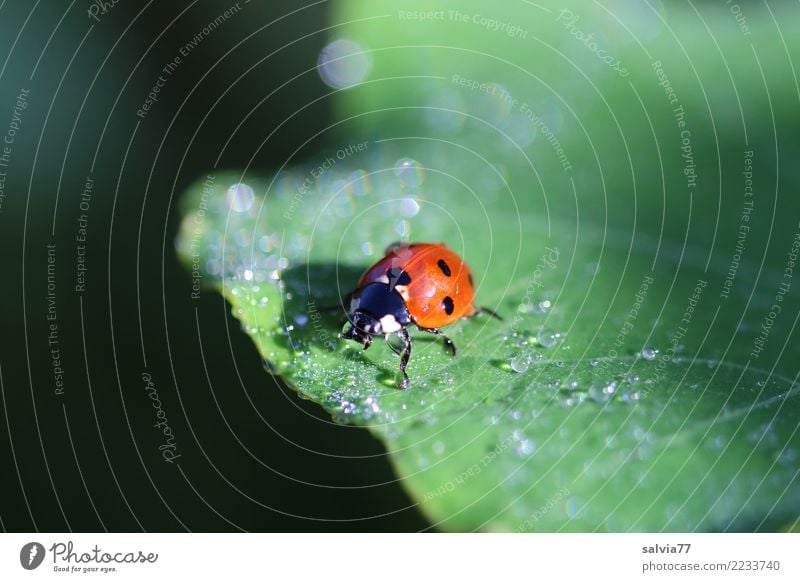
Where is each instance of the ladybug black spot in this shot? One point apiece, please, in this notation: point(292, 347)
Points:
point(447, 304)
point(471, 281)
point(444, 267)
point(397, 276)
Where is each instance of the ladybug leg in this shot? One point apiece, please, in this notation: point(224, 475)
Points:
point(447, 341)
point(405, 355)
point(486, 310)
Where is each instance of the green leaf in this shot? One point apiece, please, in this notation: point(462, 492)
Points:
point(642, 377)
point(606, 399)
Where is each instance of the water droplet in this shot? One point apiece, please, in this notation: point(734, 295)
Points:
point(348, 407)
point(524, 447)
point(403, 228)
point(367, 249)
point(343, 64)
point(600, 391)
point(410, 172)
point(301, 320)
point(547, 338)
point(409, 207)
point(438, 447)
point(359, 183)
point(649, 354)
point(264, 244)
point(240, 197)
point(571, 385)
point(520, 363)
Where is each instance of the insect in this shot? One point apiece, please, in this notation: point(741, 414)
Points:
point(424, 284)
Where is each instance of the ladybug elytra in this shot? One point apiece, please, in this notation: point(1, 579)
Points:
point(424, 284)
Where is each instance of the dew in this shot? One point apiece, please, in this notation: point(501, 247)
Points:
point(631, 397)
point(301, 320)
point(240, 197)
point(343, 64)
point(594, 363)
point(368, 249)
point(248, 275)
point(348, 406)
point(264, 244)
point(243, 237)
point(438, 447)
point(359, 183)
point(524, 447)
point(520, 363)
point(403, 228)
point(574, 399)
point(409, 207)
point(601, 391)
point(371, 402)
point(525, 308)
point(547, 338)
point(649, 354)
point(410, 172)
point(545, 305)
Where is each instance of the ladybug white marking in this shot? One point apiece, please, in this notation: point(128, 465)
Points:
point(389, 324)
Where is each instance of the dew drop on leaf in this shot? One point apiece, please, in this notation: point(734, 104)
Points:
point(547, 338)
point(649, 354)
point(520, 363)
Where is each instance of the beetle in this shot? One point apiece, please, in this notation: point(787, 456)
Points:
point(424, 284)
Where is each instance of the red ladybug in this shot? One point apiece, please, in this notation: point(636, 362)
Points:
point(422, 283)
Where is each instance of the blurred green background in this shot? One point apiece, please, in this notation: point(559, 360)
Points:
point(88, 459)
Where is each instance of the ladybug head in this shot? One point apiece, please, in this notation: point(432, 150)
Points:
point(375, 309)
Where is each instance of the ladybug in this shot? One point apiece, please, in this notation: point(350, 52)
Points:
point(424, 284)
